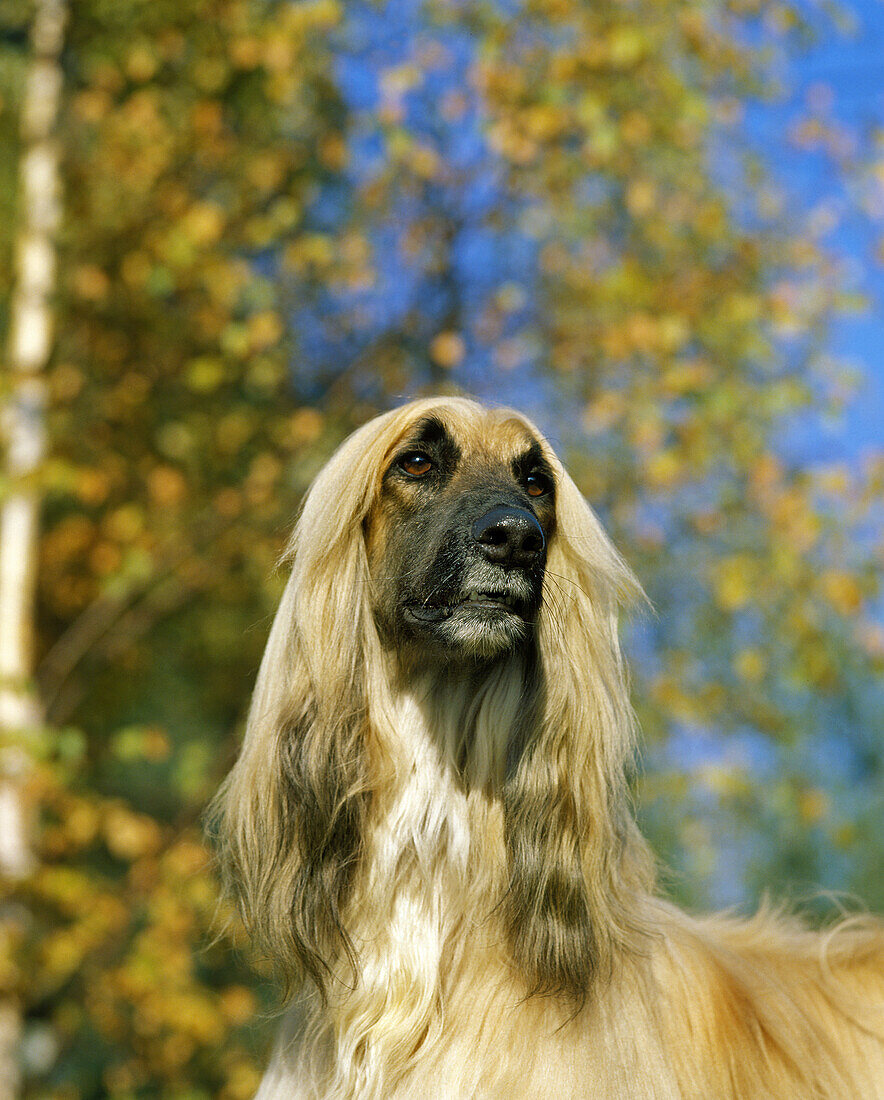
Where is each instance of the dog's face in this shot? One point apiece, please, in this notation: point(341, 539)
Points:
point(457, 540)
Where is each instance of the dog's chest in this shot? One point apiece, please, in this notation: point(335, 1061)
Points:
point(421, 861)
point(421, 917)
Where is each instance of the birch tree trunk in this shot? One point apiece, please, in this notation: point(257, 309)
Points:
point(24, 438)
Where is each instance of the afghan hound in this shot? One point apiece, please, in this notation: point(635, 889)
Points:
point(429, 828)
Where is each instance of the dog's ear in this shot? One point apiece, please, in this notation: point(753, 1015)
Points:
point(289, 820)
point(576, 859)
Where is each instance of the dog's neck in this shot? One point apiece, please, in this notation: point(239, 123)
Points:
point(434, 864)
point(439, 808)
point(471, 715)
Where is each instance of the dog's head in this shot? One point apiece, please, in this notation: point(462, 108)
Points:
point(457, 537)
point(448, 537)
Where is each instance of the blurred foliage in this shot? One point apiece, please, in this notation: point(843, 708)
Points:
point(195, 137)
point(128, 994)
point(683, 315)
point(280, 217)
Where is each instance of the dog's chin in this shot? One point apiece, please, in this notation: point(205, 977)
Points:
point(473, 629)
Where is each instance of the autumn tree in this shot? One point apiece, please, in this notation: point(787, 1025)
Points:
point(282, 217)
point(24, 442)
point(682, 313)
point(195, 139)
point(638, 281)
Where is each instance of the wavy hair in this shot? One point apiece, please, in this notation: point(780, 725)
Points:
point(432, 849)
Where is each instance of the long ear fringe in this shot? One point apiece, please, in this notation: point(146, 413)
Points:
point(289, 820)
point(577, 861)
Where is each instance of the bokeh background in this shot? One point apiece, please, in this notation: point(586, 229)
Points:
point(654, 225)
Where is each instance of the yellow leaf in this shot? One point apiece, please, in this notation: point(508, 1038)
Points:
point(265, 329)
point(732, 582)
point(204, 374)
point(130, 835)
point(204, 223)
point(750, 664)
point(237, 1004)
point(641, 197)
point(424, 161)
point(141, 64)
point(306, 426)
point(166, 485)
point(813, 805)
point(626, 45)
point(448, 349)
point(604, 412)
point(91, 283)
point(664, 468)
point(842, 591)
point(333, 152)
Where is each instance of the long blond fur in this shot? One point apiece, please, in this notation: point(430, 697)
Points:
point(445, 869)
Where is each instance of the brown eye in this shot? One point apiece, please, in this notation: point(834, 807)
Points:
point(537, 485)
point(416, 465)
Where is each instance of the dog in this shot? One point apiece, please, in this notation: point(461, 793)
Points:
point(429, 831)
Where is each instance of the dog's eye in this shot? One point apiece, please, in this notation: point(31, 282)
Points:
point(537, 484)
point(416, 464)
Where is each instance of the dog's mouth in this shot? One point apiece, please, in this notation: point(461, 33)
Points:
point(474, 600)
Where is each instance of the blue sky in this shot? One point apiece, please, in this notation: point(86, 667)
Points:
point(851, 67)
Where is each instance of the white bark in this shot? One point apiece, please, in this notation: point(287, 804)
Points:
point(24, 437)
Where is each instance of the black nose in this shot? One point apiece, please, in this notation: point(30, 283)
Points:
point(509, 536)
